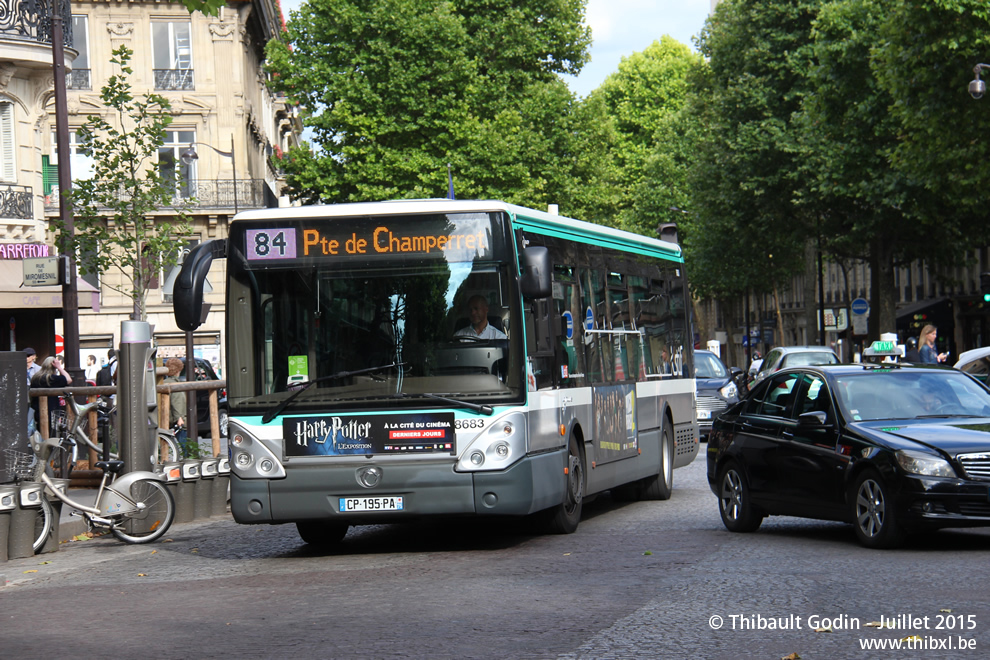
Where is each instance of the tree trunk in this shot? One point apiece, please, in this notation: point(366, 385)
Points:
point(883, 303)
point(811, 276)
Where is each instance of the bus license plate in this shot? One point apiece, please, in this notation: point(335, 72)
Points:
point(348, 504)
point(704, 414)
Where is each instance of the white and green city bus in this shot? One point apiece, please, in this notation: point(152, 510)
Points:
point(367, 383)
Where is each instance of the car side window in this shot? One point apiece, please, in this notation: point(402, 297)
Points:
point(813, 396)
point(768, 363)
point(778, 400)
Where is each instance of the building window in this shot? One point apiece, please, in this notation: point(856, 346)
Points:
point(81, 165)
point(170, 163)
point(79, 77)
point(8, 169)
point(172, 48)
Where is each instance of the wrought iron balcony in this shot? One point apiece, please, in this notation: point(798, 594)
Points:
point(173, 79)
point(77, 78)
point(16, 202)
point(204, 194)
point(222, 194)
point(31, 20)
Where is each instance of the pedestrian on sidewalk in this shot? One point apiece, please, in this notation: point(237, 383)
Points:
point(177, 401)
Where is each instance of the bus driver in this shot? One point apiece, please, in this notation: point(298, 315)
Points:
point(479, 328)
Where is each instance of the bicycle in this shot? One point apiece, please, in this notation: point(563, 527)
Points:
point(135, 507)
point(72, 438)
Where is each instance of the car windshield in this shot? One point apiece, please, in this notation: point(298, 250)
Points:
point(805, 358)
point(906, 394)
point(706, 365)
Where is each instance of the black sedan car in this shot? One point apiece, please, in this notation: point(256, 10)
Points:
point(890, 448)
point(716, 389)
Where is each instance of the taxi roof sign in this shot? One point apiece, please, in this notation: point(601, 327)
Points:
point(883, 349)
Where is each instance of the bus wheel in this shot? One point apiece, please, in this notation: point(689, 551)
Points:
point(567, 514)
point(661, 485)
point(322, 534)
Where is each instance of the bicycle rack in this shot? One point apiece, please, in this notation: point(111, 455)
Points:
point(22, 520)
point(51, 543)
point(221, 486)
point(8, 502)
point(185, 501)
point(204, 487)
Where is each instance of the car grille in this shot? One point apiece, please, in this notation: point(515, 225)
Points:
point(976, 509)
point(712, 403)
point(977, 466)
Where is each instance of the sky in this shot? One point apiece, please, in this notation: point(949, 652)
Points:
point(620, 28)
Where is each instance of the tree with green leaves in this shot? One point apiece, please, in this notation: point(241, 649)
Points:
point(643, 99)
point(887, 210)
point(397, 89)
point(114, 210)
point(208, 7)
point(925, 65)
point(744, 232)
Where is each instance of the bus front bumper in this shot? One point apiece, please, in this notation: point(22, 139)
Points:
point(314, 492)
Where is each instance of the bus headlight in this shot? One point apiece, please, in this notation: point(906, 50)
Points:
point(251, 459)
point(497, 447)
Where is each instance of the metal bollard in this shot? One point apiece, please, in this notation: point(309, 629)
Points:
point(22, 521)
point(204, 487)
point(185, 502)
point(8, 502)
point(51, 543)
point(221, 488)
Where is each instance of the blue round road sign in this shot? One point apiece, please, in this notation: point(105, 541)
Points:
point(859, 306)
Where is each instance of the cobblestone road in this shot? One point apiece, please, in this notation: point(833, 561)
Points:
point(639, 580)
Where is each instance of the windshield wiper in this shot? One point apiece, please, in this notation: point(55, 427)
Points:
point(476, 407)
point(271, 414)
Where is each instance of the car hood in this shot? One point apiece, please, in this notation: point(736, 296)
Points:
point(953, 436)
point(711, 383)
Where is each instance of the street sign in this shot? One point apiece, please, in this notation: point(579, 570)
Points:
point(59, 344)
point(40, 271)
point(859, 306)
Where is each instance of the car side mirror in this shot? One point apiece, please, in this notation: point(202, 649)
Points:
point(815, 418)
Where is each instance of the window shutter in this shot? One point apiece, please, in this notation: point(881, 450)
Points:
point(8, 171)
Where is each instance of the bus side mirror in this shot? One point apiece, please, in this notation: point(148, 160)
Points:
point(187, 295)
point(536, 271)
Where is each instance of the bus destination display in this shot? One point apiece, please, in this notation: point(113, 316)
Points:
point(464, 242)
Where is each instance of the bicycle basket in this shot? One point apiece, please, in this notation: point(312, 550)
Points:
point(20, 465)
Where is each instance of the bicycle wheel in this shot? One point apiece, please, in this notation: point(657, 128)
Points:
point(43, 523)
point(152, 519)
point(169, 451)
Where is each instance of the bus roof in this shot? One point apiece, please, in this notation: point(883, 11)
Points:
point(538, 222)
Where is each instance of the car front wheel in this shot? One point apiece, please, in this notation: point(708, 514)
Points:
point(874, 517)
point(734, 501)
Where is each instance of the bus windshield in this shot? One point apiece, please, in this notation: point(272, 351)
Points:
point(391, 323)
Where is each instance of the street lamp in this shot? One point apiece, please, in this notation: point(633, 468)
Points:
point(977, 88)
point(189, 156)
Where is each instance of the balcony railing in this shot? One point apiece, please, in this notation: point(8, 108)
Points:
point(203, 194)
point(77, 78)
point(16, 202)
point(173, 79)
point(31, 20)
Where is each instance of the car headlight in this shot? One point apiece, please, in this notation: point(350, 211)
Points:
point(729, 391)
point(915, 462)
